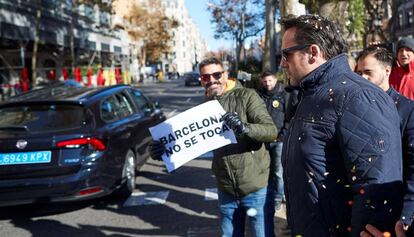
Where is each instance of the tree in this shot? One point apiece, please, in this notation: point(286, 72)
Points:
point(269, 60)
point(237, 20)
point(350, 15)
point(153, 28)
point(36, 41)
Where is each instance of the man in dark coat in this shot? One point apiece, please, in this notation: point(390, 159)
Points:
point(342, 154)
point(374, 64)
point(276, 100)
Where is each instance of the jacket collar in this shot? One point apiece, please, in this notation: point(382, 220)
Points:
point(324, 72)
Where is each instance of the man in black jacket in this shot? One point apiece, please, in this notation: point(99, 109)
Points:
point(341, 156)
point(374, 64)
point(276, 99)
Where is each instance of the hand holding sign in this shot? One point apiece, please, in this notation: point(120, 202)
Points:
point(156, 150)
point(192, 133)
point(235, 123)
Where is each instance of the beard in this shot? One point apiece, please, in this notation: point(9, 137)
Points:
point(213, 92)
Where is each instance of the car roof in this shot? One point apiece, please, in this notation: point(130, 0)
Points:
point(64, 95)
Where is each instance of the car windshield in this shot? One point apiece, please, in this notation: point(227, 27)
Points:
point(41, 118)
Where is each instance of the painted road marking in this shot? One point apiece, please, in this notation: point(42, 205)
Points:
point(149, 198)
point(210, 194)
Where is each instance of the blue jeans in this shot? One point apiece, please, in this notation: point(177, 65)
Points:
point(233, 213)
point(276, 171)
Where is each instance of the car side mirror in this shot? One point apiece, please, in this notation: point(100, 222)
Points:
point(157, 105)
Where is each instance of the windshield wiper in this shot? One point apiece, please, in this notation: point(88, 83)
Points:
point(14, 127)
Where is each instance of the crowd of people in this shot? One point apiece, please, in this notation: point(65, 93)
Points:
point(344, 137)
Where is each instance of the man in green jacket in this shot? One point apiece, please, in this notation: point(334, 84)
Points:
point(241, 169)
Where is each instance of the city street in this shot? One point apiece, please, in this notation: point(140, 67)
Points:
point(183, 203)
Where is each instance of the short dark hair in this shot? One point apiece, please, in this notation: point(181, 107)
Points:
point(266, 74)
point(312, 29)
point(209, 61)
point(381, 54)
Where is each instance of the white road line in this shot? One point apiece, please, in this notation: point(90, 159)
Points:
point(188, 100)
point(149, 198)
point(210, 194)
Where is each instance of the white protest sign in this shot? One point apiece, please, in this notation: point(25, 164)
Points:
point(192, 133)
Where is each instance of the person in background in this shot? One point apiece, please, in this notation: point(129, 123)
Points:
point(375, 65)
point(402, 74)
point(276, 99)
point(342, 152)
point(242, 169)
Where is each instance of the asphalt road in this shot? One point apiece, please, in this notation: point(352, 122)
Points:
point(181, 203)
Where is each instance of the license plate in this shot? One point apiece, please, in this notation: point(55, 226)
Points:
point(20, 158)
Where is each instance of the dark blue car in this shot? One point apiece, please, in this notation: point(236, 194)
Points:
point(73, 143)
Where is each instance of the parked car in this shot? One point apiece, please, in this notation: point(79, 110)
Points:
point(73, 143)
point(192, 79)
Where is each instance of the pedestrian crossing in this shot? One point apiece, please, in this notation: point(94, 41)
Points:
point(148, 198)
point(158, 198)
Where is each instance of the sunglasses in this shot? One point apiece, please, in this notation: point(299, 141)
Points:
point(287, 51)
point(206, 77)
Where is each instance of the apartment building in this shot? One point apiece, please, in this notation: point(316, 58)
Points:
point(57, 24)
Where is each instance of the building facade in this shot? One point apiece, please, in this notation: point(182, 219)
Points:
point(188, 47)
point(404, 22)
point(58, 25)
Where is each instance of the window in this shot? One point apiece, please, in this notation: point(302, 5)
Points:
point(116, 107)
point(400, 20)
point(43, 118)
point(125, 107)
point(105, 47)
point(108, 109)
point(140, 100)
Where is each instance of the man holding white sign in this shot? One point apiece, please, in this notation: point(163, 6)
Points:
point(192, 133)
point(241, 169)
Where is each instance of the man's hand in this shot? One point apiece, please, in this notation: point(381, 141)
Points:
point(156, 150)
point(234, 122)
point(371, 231)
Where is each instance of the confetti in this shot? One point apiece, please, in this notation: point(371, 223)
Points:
point(339, 180)
point(354, 178)
point(326, 173)
point(385, 202)
point(350, 202)
point(310, 180)
point(251, 212)
point(323, 186)
point(361, 191)
point(343, 83)
point(353, 169)
point(310, 173)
